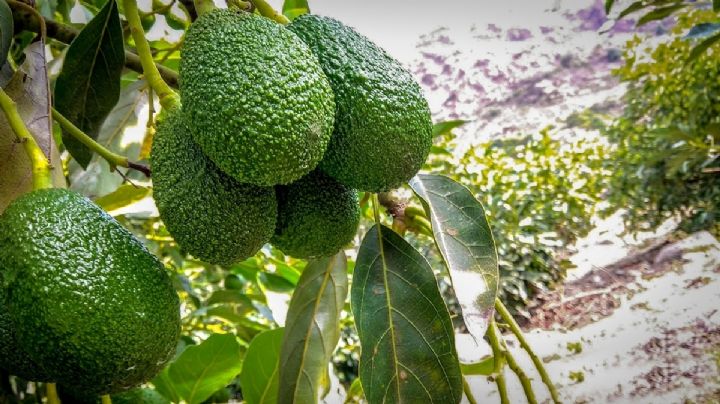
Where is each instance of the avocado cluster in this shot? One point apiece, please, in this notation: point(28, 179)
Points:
point(279, 129)
point(83, 302)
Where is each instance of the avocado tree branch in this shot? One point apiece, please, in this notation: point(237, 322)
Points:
point(515, 367)
point(105, 399)
point(115, 160)
point(24, 19)
point(40, 166)
point(515, 328)
point(499, 358)
point(468, 392)
point(168, 98)
point(266, 10)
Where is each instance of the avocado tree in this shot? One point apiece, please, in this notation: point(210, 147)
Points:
point(274, 141)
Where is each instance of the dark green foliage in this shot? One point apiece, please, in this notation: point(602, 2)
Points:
point(88, 87)
point(317, 216)
point(258, 103)
point(211, 215)
point(667, 138)
point(382, 124)
point(88, 301)
point(14, 359)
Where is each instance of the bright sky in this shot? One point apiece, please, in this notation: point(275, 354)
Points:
point(397, 25)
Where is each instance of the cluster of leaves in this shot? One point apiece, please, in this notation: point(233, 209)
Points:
point(667, 140)
point(708, 32)
point(540, 191)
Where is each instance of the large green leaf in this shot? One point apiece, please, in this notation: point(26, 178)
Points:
point(88, 87)
point(203, 369)
point(659, 14)
point(123, 196)
point(312, 328)
point(408, 345)
point(6, 30)
point(295, 8)
point(464, 238)
point(28, 87)
point(703, 46)
point(443, 128)
point(259, 378)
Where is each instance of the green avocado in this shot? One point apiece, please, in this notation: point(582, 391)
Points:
point(89, 303)
point(210, 214)
point(13, 359)
point(257, 100)
point(317, 216)
point(383, 129)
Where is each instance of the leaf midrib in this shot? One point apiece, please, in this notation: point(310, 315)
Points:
point(391, 324)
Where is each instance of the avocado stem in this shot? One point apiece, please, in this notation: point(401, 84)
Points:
point(51, 393)
point(376, 208)
point(105, 399)
point(39, 162)
point(266, 10)
point(115, 160)
point(168, 98)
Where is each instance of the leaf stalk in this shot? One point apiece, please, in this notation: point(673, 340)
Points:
point(266, 10)
point(115, 160)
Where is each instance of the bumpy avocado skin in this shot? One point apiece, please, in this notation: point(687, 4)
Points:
point(257, 100)
point(210, 214)
point(89, 303)
point(13, 359)
point(317, 216)
point(383, 129)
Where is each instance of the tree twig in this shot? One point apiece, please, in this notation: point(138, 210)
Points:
point(499, 358)
point(524, 380)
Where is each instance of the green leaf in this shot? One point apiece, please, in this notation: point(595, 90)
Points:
point(28, 87)
point(164, 386)
point(275, 283)
point(259, 378)
point(703, 30)
point(659, 14)
point(408, 345)
point(203, 369)
point(485, 367)
point(464, 238)
point(608, 6)
point(88, 87)
point(312, 328)
point(355, 392)
point(6, 30)
point(125, 195)
point(716, 5)
point(295, 8)
point(703, 46)
point(636, 6)
point(229, 296)
point(442, 128)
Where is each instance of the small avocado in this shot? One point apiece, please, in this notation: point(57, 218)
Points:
point(256, 98)
point(88, 301)
point(383, 129)
point(317, 216)
point(210, 214)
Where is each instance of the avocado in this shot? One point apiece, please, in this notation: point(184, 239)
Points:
point(13, 359)
point(257, 100)
point(383, 129)
point(89, 303)
point(210, 214)
point(317, 216)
